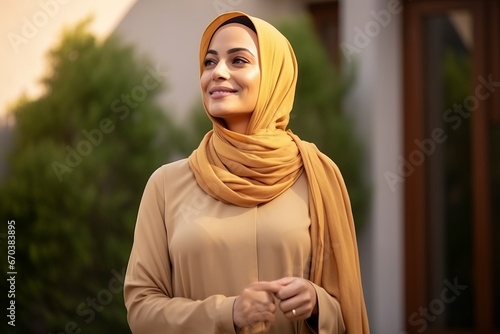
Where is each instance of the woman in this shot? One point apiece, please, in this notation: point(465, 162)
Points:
point(253, 232)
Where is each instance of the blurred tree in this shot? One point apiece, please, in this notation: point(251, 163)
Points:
point(317, 115)
point(81, 156)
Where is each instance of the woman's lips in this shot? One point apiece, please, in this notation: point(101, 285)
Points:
point(220, 92)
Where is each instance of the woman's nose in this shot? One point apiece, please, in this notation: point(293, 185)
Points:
point(220, 71)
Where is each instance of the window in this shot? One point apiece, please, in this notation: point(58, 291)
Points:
point(452, 166)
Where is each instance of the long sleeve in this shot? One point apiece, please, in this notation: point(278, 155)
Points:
point(148, 290)
point(330, 320)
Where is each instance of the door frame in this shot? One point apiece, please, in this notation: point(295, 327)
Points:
point(414, 127)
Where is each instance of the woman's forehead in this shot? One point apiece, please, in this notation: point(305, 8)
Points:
point(234, 34)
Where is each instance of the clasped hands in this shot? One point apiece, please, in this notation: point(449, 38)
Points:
point(254, 309)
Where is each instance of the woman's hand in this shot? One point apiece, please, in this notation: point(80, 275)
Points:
point(296, 294)
point(255, 306)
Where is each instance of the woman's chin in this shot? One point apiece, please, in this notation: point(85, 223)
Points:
point(220, 111)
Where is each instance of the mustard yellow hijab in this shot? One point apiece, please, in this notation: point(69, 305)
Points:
point(256, 167)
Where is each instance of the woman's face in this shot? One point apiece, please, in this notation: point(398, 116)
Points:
point(230, 80)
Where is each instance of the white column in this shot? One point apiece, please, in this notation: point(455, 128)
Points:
point(371, 35)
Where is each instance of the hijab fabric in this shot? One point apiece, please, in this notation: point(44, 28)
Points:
point(254, 168)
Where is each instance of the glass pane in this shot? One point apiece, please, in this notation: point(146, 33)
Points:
point(495, 218)
point(446, 147)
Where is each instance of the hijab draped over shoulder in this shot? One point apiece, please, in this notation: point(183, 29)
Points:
point(254, 168)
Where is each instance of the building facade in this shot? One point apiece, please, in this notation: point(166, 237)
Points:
point(427, 106)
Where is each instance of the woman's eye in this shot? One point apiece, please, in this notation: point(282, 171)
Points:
point(208, 62)
point(239, 60)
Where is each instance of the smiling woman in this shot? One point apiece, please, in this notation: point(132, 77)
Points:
point(231, 78)
point(254, 231)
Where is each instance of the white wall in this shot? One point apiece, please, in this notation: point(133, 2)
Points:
point(372, 31)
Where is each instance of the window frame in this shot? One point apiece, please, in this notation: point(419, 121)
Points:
point(414, 127)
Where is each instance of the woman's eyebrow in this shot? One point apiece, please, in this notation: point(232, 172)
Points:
point(233, 50)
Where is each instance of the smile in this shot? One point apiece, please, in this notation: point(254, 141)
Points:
point(219, 92)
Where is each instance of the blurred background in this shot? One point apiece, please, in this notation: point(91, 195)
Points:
point(402, 95)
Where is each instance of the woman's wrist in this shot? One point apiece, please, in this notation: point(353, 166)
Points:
point(315, 310)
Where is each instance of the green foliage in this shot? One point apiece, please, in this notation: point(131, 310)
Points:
point(81, 156)
point(317, 116)
point(456, 184)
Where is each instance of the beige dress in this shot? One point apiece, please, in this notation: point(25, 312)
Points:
point(192, 255)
